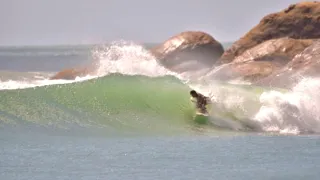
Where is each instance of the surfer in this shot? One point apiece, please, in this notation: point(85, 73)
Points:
point(200, 100)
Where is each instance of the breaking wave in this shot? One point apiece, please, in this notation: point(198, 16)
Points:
point(133, 93)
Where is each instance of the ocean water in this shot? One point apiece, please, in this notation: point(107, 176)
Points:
point(134, 120)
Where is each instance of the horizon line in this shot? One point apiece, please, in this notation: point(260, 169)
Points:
point(74, 44)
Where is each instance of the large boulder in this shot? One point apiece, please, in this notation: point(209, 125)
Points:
point(262, 60)
point(298, 21)
point(188, 51)
point(305, 64)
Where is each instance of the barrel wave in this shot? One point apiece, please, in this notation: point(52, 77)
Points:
point(115, 102)
point(120, 103)
point(133, 94)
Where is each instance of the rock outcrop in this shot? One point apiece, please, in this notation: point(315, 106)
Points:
point(262, 60)
point(265, 51)
point(305, 64)
point(191, 50)
point(298, 21)
point(280, 50)
point(73, 73)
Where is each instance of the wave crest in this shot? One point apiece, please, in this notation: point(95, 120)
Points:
point(127, 58)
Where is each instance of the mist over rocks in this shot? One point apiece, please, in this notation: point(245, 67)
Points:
point(280, 50)
point(304, 64)
point(262, 60)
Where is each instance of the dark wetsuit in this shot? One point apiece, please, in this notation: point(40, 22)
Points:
point(201, 102)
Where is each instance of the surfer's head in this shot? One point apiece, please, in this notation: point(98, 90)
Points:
point(193, 93)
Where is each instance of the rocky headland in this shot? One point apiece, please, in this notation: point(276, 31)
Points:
point(280, 48)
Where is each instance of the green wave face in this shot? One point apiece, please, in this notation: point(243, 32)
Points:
point(115, 102)
point(126, 104)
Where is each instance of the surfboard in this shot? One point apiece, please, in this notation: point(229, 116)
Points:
point(201, 118)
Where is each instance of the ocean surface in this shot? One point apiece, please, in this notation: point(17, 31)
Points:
point(134, 120)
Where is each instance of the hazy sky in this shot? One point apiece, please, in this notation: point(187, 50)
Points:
point(37, 22)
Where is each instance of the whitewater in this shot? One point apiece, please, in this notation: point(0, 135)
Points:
point(132, 92)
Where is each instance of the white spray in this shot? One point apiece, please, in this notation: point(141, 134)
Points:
point(118, 57)
point(297, 111)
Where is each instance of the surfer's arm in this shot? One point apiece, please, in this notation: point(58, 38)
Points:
point(208, 100)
